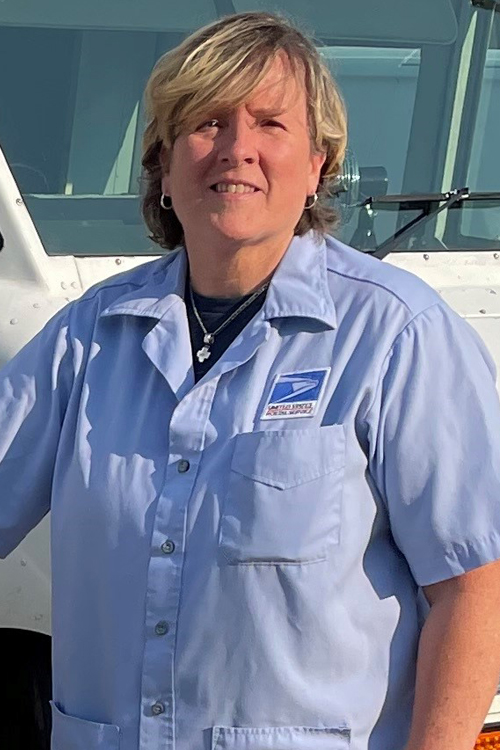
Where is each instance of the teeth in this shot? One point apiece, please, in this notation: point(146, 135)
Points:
point(224, 187)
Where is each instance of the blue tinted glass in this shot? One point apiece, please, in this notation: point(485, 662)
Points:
point(484, 167)
point(72, 114)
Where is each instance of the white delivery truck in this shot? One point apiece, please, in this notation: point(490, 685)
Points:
point(421, 190)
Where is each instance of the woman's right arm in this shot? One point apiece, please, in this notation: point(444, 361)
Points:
point(34, 392)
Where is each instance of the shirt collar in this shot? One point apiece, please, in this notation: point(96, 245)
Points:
point(298, 288)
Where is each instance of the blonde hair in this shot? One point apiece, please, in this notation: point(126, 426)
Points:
point(217, 68)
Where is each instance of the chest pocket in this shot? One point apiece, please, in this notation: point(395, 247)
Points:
point(284, 496)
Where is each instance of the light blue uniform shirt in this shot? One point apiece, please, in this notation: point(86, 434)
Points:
point(236, 563)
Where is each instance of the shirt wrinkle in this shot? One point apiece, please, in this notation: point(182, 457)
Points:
point(385, 362)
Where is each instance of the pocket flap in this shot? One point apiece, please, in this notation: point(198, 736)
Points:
point(280, 738)
point(72, 733)
point(287, 458)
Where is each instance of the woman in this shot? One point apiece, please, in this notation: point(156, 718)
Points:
point(250, 449)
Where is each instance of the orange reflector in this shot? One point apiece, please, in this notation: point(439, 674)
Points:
point(488, 741)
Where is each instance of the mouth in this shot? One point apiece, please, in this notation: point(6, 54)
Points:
point(236, 188)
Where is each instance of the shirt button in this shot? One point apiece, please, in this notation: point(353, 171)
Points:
point(157, 709)
point(183, 466)
point(167, 547)
point(161, 628)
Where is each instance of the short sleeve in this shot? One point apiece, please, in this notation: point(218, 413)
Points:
point(34, 391)
point(435, 449)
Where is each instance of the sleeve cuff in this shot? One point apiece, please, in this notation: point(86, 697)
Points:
point(456, 559)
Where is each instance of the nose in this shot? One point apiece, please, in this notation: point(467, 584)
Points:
point(237, 142)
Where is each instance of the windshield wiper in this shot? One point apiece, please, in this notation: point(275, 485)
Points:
point(430, 204)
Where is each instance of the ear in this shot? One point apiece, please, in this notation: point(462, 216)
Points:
point(316, 163)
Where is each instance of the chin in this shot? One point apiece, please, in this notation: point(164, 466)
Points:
point(236, 231)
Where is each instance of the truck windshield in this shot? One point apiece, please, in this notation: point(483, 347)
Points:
point(421, 82)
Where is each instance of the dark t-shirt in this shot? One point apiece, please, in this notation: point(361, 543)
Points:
point(214, 311)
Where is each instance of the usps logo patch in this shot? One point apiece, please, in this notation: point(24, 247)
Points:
point(296, 394)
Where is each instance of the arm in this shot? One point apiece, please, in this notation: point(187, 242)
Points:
point(34, 390)
point(436, 463)
point(458, 661)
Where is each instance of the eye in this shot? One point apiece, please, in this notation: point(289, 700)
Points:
point(208, 124)
point(273, 124)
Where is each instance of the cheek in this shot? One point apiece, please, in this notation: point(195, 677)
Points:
point(289, 170)
point(187, 166)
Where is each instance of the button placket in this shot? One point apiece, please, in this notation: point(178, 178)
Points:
point(187, 435)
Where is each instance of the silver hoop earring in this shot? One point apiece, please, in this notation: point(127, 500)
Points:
point(315, 200)
point(162, 202)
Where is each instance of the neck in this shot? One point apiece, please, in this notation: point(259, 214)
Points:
point(233, 271)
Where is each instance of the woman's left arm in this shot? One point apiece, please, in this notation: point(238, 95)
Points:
point(458, 664)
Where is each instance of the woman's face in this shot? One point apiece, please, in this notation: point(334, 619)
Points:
point(263, 145)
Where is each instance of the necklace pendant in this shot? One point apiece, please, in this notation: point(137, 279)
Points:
point(203, 353)
point(208, 338)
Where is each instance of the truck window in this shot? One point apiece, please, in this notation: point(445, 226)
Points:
point(484, 166)
point(73, 113)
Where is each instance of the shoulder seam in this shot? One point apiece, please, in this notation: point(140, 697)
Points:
point(103, 286)
point(381, 375)
point(377, 284)
point(100, 288)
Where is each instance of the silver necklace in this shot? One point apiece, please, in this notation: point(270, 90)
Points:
point(209, 338)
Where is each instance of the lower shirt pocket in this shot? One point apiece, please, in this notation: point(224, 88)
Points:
point(72, 733)
point(280, 738)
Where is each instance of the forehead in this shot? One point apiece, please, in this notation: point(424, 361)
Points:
point(281, 89)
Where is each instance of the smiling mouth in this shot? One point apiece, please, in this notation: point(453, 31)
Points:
point(240, 189)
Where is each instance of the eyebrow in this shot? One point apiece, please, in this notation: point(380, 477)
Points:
point(268, 112)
